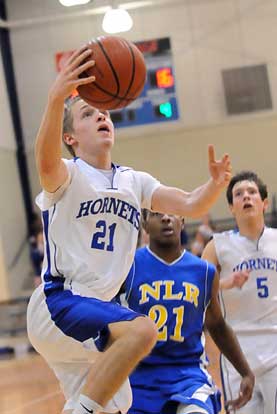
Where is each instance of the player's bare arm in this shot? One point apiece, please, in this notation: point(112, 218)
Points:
point(198, 202)
point(236, 279)
point(225, 339)
point(48, 149)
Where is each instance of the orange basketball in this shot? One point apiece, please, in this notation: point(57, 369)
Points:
point(119, 70)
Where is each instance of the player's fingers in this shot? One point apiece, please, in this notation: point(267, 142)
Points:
point(243, 273)
point(233, 404)
point(76, 53)
point(241, 283)
point(243, 400)
point(78, 60)
point(227, 177)
point(211, 153)
point(83, 68)
point(83, 81)
point(226, 160)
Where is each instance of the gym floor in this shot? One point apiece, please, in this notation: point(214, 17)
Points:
point(28, 386)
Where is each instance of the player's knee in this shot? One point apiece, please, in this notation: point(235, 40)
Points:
point(145, 332)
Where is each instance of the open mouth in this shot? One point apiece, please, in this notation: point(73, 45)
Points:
point(167, 231)
point(247, 206)
point(103, 128)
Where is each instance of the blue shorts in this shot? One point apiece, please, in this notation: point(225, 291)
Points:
point(161, 389)
point(82, 317)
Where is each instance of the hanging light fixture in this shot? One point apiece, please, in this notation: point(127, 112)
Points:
point(69, 3)
point(117, 20)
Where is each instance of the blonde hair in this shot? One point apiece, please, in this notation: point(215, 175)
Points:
point(68, 120)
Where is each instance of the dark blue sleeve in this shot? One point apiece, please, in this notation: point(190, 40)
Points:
point(129, 281)
point(209, 281)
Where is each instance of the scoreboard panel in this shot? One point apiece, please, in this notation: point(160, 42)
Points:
point(158, 101)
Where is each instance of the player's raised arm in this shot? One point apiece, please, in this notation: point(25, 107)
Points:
point(226, 341)
point(199, 201)
point(209, 254)
point(48, 149)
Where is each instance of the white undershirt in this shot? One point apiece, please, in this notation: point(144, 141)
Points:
point(107, 173)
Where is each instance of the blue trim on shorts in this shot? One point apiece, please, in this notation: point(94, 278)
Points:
point(79, 317)
point(212, 404)
point(160, 389)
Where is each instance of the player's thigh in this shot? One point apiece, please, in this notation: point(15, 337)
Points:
point(268, 387)
point(139, 327)
point(67, 321)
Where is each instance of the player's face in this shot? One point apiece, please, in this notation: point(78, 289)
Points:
point(93, 129)
point(247, 200)
point(163, 228)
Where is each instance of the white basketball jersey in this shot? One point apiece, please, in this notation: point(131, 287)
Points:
point(252, 310)
point(91, 226)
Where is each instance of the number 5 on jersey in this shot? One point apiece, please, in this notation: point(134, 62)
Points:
point(262, 287)
point(103, 239)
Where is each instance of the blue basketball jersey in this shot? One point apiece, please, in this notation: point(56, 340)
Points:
point(175, 296)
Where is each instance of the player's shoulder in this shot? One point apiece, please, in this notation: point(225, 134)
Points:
point(191, 259)
point(70, 163)
point(141, 253)
point(270, 231)
point(73, 164)
point(140, 175)
point(227, 234)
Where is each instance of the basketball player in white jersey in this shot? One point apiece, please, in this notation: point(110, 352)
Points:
point(247, 261)
point(91, 214)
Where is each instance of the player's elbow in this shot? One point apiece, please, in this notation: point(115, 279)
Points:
point(47, 166)
point(216, 328)
point(194, 209)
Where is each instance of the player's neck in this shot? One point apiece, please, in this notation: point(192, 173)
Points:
point(252, 229)
point(167, 253)
point(101, 161)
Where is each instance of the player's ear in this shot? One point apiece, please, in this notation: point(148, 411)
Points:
point(266, 204)
point(69, 139)
point(231, 208)
point(144, 221)
point(145, 225)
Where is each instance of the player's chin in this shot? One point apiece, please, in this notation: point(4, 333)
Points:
point(249, 211)
point(107, 141)
point(167, 239)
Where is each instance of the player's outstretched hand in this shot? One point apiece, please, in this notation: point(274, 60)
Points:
point(220, 170)
point(236, 279)
point(68, 78)
point(245, 393)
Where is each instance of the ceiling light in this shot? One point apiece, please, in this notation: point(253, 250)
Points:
point(69, 3)
point(116, 21)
